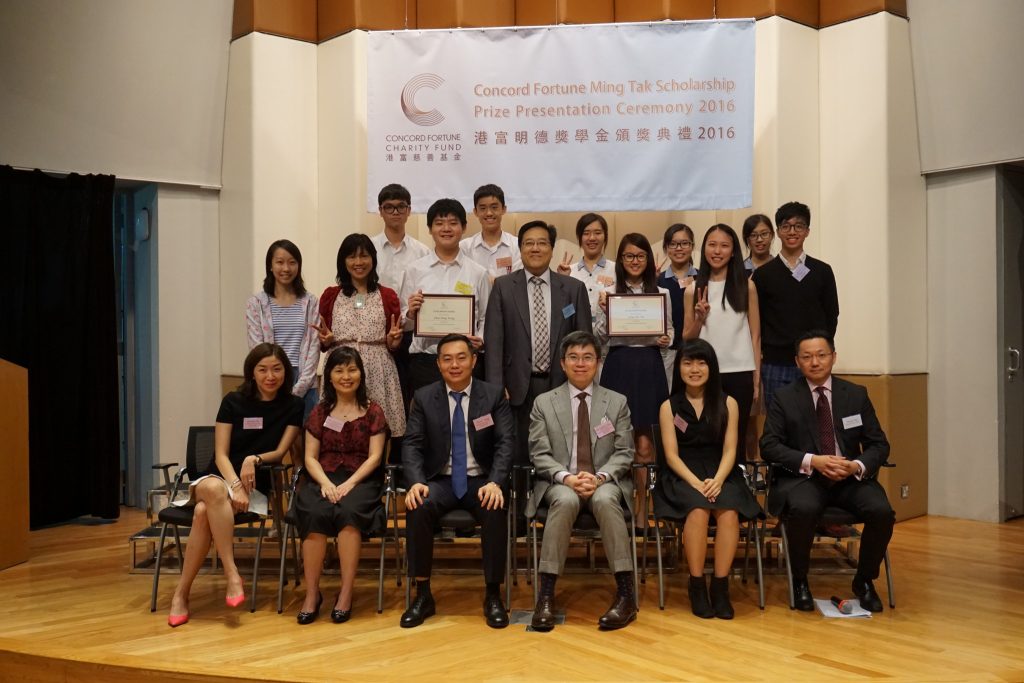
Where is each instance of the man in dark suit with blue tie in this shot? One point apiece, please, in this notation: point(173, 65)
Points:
point(824, 434)
point(457, 453)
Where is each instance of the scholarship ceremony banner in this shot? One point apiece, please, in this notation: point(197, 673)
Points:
point(607, 117)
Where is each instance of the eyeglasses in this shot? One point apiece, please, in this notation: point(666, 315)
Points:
point(680, 245)
point(808, 357)
point(638, 258)
point(799, 226)
point(530, 244)
point(394, 209)
point(760, 236)
point(587, 358)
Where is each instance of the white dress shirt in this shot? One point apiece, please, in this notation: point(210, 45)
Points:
point(574, 405)
point(434, 276)
point(473, 468)
point(487, 256)
point(392, 262)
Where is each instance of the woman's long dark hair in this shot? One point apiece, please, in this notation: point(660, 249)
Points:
point(349, 246)
point(735, 274)
point(343, 355)
point(268, 282)
point(650, 276)
point(714, 398)
point(248, 386)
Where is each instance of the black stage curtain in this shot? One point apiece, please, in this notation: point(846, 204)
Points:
point(61, 325)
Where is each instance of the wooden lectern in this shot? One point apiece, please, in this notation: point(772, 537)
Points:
point(13, 464)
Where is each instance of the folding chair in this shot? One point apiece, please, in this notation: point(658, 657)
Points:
point(199, 454)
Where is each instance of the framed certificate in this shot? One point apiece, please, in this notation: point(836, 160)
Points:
point(636, 315)
point(443, 314)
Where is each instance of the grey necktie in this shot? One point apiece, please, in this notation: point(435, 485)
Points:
point(541, 340)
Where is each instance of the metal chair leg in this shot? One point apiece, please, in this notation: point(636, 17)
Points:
point(536, 562)
point(888, 580)
point(156, 569)
point(380, 570)
point(256, 563)
point(661, 575)
point(636, 580)
point(177, 545)
point(280, 573)
point(509, 551)
point(789, 567)
point(760, 568)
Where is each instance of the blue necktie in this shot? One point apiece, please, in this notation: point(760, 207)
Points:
point(460, 484)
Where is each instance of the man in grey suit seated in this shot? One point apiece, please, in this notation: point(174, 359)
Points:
point(581, 445)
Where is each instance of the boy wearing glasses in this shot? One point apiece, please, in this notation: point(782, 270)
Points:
point(492, 247)
point(796, 293)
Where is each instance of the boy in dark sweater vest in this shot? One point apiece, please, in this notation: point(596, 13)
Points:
point(796, 293)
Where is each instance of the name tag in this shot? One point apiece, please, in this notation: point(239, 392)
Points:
point(800, 272)
point(852, 421)
point(568, 311)
point(680, 424)
point(252, 423)
point(334, 424)
point(463, 288)
point(604, 427)
point(483, 422)
point(605, 280)
point(504, 263)
point(684, 282)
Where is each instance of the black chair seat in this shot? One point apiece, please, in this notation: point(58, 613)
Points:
point(457, 519)
point(182, 516)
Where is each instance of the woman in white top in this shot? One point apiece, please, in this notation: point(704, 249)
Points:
point(634, 366)
point(721, 308)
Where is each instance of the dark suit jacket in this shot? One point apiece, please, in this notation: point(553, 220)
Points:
point(791, 431)
point(427, 447)
point(507, 339)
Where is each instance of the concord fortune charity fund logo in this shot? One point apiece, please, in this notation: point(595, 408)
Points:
point(409, 108)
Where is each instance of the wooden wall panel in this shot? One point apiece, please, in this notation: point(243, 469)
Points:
point(837, 11)
point(801, 11)
point(14, 464)
point(549, 12)
point(657, 10)
point(465, 13)
point(335, 17)
point(292, 19)
point(242, 19)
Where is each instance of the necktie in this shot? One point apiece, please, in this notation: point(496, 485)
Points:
point(826, 430)
point(584, 458)
point(460, 484)
point(541, 341)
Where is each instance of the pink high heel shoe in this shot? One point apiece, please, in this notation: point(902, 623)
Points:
point(234, 601)
point(176, 620)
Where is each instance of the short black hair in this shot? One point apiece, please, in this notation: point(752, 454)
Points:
point(751, 223)
point(814, 334)
point(585, 220)
point(393, 191)
point(579, 338)
point(349, 246)
point(552, 231)
point(489, 190)
point(446, 207)
point(671, 231)
point(451, 339)
point(793, 210)
point(256, 354)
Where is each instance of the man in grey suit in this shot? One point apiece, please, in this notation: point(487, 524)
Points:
point(581, 444)
point(528, 313)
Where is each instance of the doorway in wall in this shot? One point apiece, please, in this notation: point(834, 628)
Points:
point(1010, 226)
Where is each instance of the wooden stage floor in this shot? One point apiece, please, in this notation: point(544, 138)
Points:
point(74, 613)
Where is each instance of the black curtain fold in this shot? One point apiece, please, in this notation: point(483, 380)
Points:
point(61, 324)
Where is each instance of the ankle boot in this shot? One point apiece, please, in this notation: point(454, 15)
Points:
point(720, 597)
point(698, 591)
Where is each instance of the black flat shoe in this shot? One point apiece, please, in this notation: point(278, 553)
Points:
point(802, 598)
point(494, 612)
point(340, 616)
point(309, 617)
point(544, 614)
point(865, 592)
point(421, 608)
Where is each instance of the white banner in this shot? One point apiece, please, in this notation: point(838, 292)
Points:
point(608, 117)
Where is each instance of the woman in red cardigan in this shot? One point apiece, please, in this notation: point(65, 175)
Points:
point(366, 316)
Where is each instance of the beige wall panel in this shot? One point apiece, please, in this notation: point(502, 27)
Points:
point(189, 332)
point(270, 173)
point(872, 221)
point(656, 10)
point(465, 13)
point(963, 370)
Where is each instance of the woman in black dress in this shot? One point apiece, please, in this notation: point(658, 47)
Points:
point(700, 477)
point(340, 494)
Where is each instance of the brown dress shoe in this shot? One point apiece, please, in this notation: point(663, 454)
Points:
point(544, 614)
point(622, 611)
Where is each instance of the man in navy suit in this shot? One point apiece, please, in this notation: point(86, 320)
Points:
point(457, 454)
point(824, 434)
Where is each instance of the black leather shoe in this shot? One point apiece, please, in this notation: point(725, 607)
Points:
point(697, 590)
point(802, 598)
point(340, 616)
point(421, 608)
point(309, 617)
point(544, 614)
point(720, 597)
point(622, 611)
point(865, 592)
point(494, 612)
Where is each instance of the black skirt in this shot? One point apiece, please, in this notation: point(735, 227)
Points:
point(638, 373)
point(674, 498)
point(361, 508)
